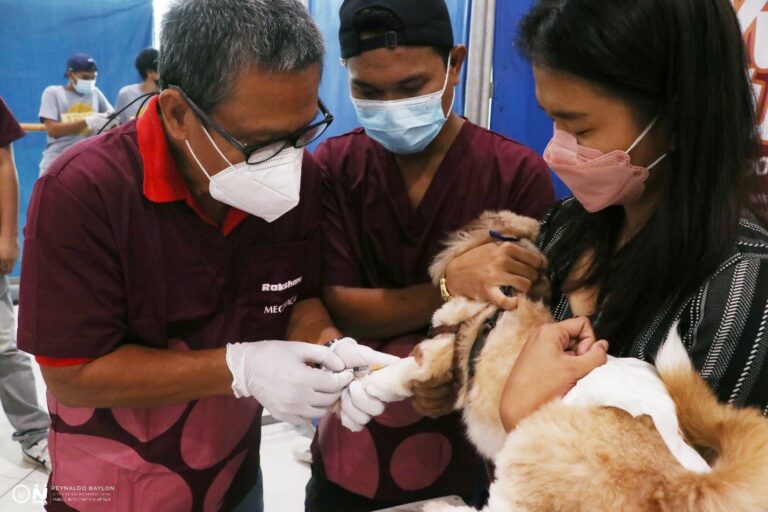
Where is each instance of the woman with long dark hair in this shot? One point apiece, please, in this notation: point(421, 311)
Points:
point(655, 134)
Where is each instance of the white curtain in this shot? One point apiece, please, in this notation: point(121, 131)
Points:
point(479, 89)
point(159, 8)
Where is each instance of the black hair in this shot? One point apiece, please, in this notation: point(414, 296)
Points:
point(377, 20)
point(683, 61)
point(146, 61)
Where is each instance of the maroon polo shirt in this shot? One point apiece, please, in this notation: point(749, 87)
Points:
point(117, 251)
point(374, 238)
point(9, 127)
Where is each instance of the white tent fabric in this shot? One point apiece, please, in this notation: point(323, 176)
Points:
point(479, 89)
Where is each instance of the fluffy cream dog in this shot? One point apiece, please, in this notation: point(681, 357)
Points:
point(613, 443)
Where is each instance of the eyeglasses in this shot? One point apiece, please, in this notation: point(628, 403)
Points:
point(259, 153)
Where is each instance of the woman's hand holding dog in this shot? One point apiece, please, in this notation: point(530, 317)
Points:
point(553, 359)
point(480, 273)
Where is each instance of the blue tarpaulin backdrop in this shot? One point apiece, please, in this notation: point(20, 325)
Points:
point(515, 112)
point(37, 37)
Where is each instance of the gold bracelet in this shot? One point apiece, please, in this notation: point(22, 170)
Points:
point(444, 293)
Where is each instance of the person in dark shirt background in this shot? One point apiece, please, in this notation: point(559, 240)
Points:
point(17, 389)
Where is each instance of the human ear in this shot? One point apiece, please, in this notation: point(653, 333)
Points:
point(458, 58)
point(177, 115)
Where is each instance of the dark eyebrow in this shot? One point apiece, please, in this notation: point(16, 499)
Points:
point(360, 83)
point(569, 116)
point(566, 115)
point(404, 82)
point(414, 78)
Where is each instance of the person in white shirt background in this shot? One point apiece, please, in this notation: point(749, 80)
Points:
point(128, 97)
point(73, 111)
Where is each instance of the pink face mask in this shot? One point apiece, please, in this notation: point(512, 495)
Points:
point(598, 180)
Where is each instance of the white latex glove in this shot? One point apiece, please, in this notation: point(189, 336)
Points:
point(97, 121)
point(277, 375)
point(358, 407)
point(366, 397)
point(355, 355)
point(113, 123)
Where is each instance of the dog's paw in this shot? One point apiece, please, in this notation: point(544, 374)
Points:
point(393, 382)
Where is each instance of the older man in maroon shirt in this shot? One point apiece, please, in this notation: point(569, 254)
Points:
point(394, 190)
point(156, 254)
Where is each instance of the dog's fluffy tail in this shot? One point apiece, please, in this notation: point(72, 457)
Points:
point(738, 437)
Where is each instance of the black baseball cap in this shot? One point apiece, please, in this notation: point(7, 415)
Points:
point(422, 23)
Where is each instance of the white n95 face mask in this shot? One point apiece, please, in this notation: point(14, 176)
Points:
point(267, 190)
point(404, 126)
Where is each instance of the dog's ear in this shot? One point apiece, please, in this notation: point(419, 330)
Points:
point(487, 219)
point(518, 226)
point(481, 225)
point(477, 232)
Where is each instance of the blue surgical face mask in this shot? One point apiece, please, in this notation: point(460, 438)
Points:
point(404, 126)
point(83, 86)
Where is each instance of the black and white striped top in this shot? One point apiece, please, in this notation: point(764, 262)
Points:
point(724, 324)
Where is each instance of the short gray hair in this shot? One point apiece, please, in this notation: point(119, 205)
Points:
point(206, 44)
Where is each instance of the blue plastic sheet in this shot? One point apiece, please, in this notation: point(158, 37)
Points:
point(515, 112)
point(37, 37)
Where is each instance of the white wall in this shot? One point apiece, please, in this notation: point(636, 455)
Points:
point(159, 7)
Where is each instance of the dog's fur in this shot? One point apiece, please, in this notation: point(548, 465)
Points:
point(580, 458)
